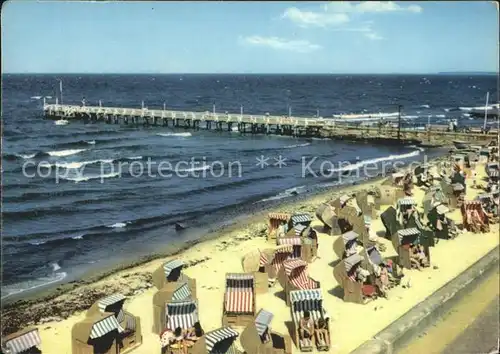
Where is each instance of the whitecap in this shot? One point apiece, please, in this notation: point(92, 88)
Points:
point(61, 122)
point(359, 164)
point(79, 237)
point(296, 145)
point(193, 169)
point(78, 164)
point(175, 134)
point(55, 266)
point(91, 142)
point(65, 152)
point(36, 97)
point(26, 156)
point(118, 225)
point(424, 106)
point(134, 158)
point(89, 177)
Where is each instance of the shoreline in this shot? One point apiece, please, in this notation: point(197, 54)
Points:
point(255, 226)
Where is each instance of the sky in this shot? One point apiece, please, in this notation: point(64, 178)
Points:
point(249, 37)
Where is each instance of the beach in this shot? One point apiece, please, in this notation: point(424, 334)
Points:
point(207, 262)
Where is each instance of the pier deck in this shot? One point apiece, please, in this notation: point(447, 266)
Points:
point(261, 124)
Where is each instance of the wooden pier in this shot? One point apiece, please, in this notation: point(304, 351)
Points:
point(262, 124)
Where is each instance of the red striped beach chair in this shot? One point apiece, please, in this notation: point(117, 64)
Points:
point(294, 276)
point(281, 254)
point(219, 341)
point(474, 217)
point(277, 222)
point(24, 341)
point(308, 300)
point(239, 299)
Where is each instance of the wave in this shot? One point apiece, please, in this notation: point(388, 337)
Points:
point(296, 145)
point(425, 106)
point(19, 288)
point(71, 144)
point(76, 165)
point(489, 107)
point(175, 134)
point(35, 97)
point(86, 178)
point(119, 225)
point(193, 169)
point(290, 192)
point(362, 163)
point(65, 152)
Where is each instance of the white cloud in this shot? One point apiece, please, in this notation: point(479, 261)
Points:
point(301, 46)
point(310, 18)
point(369, 7)
point(373, 36)
point(337, 13)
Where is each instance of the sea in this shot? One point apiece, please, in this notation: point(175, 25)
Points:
point(80, 197)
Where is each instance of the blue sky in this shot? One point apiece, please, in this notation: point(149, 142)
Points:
point(258, 37)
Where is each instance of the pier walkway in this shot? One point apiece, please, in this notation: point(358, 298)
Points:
point(263, 124)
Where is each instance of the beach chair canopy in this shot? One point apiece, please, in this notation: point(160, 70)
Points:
point(299, 228)
point(172, 265)
point(103, 326)
point(407, 201)
point(279, 216)
point(307, 300)
point(214, 337)
point(294, 241)
point(349, 236)
point(109, 301)
point(442, 209)
point(351, 261)
point(493, 174)
point(344, 198)
point(293, 265)
point(22, 341)
point(238, 297)
point(263, 259)
point(374, 255)
point(183, 314)
point(301, 219)
point(183, 292)
point(262, 321)
point(407, 236)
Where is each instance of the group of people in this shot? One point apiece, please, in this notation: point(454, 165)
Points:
point(418, 258)
point(309, 328)
point(179, 339)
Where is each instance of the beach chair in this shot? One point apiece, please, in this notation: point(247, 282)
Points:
point(433, 197)
point(98, 333)
point(171, 272)
point(239, 299)
point(294, 276)
point(490, 206)
point(354, 290)
point(301, 218)
point(259, 263)
point(390, 222)
point(453, 192)
point(279, 223)
point(474, 217)
point(279, 256)
point(372, 258)
point(258, 337)
point(404, 208)
point(312, 301)
point(442, 226)
point(309, 237)
point(346, 245)
point(180, 314)
point(131, 336)
point(219, 341)
point(326, 214)
point(387, 194)
point(422, 175)
point(366, 202)
point(294, 241)
point(403, 241)
point(22, 342)
point(171, 292)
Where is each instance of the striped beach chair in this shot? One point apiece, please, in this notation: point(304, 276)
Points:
point(239, 299)
point(294, 276)
point(169, 272)
point(170, 292)
point(277, 222)
point(312, 301)
point(281, 254)
point(24, 341)
point(219, 341)
point(346, 245)
point(98, 333)
point(131, 335)
point(474, 217)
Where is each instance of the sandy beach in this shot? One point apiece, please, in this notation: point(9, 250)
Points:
point(207, 262)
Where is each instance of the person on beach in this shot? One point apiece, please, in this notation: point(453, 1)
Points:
point(179, 342)
point(361, 274)
point(306, 326)
point(321, 331)
point(382, 279)
point(193, 334)
point(167, 337)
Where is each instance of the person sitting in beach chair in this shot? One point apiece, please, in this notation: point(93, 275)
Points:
point(321, 331)
point(418, 258)
point(361, 274)
point(306, 326)
point(178, 342)
point(193, 334)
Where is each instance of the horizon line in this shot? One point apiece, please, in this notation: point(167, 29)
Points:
point(471, 72)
